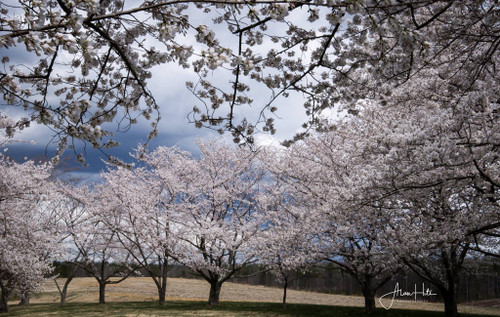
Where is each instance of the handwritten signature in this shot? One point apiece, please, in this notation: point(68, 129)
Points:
point(426, 292)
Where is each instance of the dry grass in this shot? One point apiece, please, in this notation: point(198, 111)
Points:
point(143, 289)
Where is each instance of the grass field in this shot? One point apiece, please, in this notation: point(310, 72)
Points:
point(197, 308)
point(187, 297)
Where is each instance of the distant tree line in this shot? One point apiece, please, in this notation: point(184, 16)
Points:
point(482, 284)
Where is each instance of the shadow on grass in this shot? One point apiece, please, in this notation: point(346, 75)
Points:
point(198, 308)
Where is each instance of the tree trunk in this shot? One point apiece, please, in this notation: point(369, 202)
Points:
point(25, 299)
point(215, 288)
point(285, 286)
point(63, 297)
point(162, 290)
point(3, 302)
point(102, 292)
point(449, 295)
point(64, 291)
point(369, 295)
point(450, 304)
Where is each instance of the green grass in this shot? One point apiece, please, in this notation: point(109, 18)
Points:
point(197, 308)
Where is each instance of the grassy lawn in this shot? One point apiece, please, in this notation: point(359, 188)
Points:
point(199, 308)
point(135, 297)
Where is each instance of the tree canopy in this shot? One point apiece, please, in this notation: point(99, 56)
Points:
point(76, 66)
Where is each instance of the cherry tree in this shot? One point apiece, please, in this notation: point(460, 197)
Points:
point(328, 170)
point(138, 206)
point(101, 254)
point(216, 218)
point(30, 227)
point(441, 169)
point(98, 57)
point(73, 216)
point(428, 135)
point(356, 242)
point(436, 243)
point(289, 239)
point(287, 245)
point(429, 164)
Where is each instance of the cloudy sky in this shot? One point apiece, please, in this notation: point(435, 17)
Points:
point(168, 87)
point(176, 101)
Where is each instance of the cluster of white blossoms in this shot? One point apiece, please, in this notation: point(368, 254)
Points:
point(7, 127)
point(29, 228)
point(334, 53)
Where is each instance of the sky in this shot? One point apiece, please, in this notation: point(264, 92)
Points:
point(176, 101)
point(168, 87)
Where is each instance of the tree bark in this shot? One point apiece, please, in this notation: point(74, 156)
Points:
point(450, 303)
point(64, 291)
point(162, 286)
point(285, 286)
point(369, 295)
point(25, 299)
point(102, 292)
point(215, 288)
point(450, 294)
point(162, 290)
point(3, 302)
point(450, 306)
point(63, 297)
